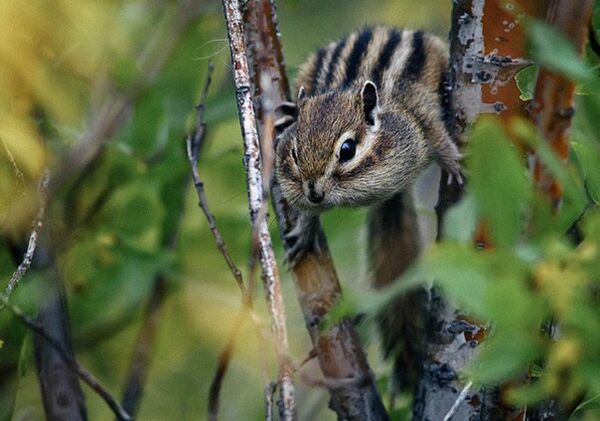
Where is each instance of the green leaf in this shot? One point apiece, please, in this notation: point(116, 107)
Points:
point(497, 181)
point(586, 117)
point(515, 340)
point(467, 276)
point(588, 156)
point(25, 356)
point(574, 196)
point(135, 213)
point(552, 49)
point(461, 220)
point(526, 79)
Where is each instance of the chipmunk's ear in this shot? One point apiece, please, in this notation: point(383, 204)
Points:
point(369, 101)
point(301, 94)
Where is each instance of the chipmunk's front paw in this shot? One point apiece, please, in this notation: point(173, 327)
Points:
point(448, 157)
point(303, 237)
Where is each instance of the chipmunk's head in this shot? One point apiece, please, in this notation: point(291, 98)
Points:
point(343, 150)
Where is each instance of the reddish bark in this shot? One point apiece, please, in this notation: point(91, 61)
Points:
point(554, 98)
point(504, 36)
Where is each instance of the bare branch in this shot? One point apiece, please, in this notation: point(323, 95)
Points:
point(270, 389)
point(140, 360)
point(33, 239)
point(223, 365)
point(340, 354)
point(83, 374)
point(194, 144)
point(271, 281)
point(13, 162)
point(459, 400)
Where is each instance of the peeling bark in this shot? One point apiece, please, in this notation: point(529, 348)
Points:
point(552, 112)
point(487, 47)
point(252, 162)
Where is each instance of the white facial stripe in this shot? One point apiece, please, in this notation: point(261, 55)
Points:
point(333, 161)
point(362, 148)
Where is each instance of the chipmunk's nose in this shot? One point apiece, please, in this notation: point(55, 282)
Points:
point(314, 195)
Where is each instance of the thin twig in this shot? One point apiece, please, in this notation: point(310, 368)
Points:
point(194, 144)
point(142, 350)
point(252, 161)
point(33, 239)
point(223, 365)
point(270, 389)
point(458, 401)
point(87, 377)
point(16, 169)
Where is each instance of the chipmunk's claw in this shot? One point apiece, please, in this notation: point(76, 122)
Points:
point(303, 237)
point(456, 175)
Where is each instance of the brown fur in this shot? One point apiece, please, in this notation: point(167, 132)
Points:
point(408, 133)
point(409, 130)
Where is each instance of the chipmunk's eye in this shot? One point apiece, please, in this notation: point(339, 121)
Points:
point(347, 151)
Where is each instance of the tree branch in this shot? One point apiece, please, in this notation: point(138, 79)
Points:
point(142, 350)
point(61, 392)
point(67, 357)
point(252, 161)
point(342, 360)
point(38, 223)
point(554, 95)
point(484, 56)
point(194, 143)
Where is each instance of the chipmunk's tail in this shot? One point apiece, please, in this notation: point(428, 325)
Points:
point(394, 243)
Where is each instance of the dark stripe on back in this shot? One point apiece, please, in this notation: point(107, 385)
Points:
point(445, 104)
point(356, 55)
point(385, 57)
point(314, 79)
point(333, 64)
point(416, 61)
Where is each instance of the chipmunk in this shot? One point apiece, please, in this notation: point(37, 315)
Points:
point(370, 116)
point(372, 112)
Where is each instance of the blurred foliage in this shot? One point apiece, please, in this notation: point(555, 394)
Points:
point(60, 61)
point(113, 227)
point(537, 288)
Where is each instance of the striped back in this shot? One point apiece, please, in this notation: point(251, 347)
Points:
point(393, 59)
